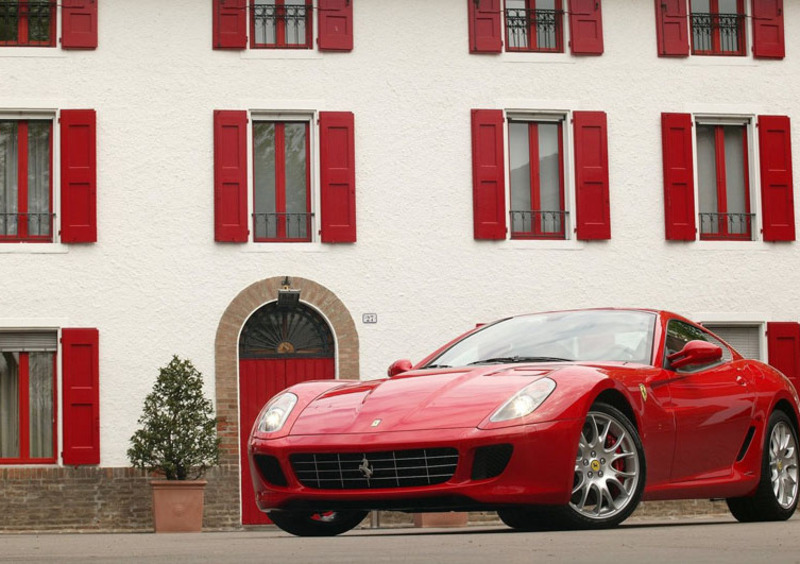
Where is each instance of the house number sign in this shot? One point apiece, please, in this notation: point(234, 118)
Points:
point(369, 318)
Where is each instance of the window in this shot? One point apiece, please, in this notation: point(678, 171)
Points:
point(28, 22)
point(535, 26)
point(286, 189)
point(283, 24)
point(281, 180)
point(717, 27)
point(27, 397)
point(36, 206)
point(536, 177)
point(26, 188)
point(32, 23)
point(721, 149)
point(723, 182)
point(540, 192)
point(745, 339)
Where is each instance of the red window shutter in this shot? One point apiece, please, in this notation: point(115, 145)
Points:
point(79, 24)
point(335, 25)
point(586, 27)
point(230, 176)
point(337, 177)
point(78, 176)
point(672, 28)
point(783, 348)
point(485, 31)
point(488, 175)
point(677, 147)
point(777, 192)
point(230, 24)
point(593, 217)
point(81, 390)
point(768, 29)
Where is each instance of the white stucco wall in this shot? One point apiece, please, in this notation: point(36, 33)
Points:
point(155, 283)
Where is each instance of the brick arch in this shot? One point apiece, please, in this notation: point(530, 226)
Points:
point(226, 351)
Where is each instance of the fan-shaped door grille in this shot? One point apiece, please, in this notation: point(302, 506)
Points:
point(279, 332)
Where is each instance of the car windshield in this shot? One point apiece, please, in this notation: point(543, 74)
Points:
point(589, 335)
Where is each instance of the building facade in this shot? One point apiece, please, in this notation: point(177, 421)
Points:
point(411, 168)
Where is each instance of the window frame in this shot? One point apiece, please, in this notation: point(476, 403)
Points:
point(23, 26)
point(22, 178)
point(536, 232)
point(716, 48)
point(530, 6)
point(311, 119)
point(721, 180)
point(280, 31)
point(24, 414)
point(566, 175)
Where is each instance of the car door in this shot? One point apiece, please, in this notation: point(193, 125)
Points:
point(713, 407)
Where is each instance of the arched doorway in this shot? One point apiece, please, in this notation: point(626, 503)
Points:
point(279, 346)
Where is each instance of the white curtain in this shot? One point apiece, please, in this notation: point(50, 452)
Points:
point(40, 383)
point(39, 177)
point(9, 405)
point(8, 177)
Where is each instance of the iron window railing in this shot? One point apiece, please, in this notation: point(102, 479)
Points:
point(534, 30)
point(281, 26)
point(282, 226)
point(27, 22)
point(34, 227)
point(726, 225)
point(717, 34)
point(538, 224)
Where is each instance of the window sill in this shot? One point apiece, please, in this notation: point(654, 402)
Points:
point(734, 245)
point(41, 52)
point(33, 248)
point(279, 54)
point(300, 247)
point(542, 245)
point(721, 61)
point(537, 58)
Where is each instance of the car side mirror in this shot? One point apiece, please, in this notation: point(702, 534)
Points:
point(398, 367)
point(695, 353)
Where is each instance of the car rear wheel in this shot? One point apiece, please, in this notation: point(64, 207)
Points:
point(609, 471)
point(776, 496)
point(304, 524)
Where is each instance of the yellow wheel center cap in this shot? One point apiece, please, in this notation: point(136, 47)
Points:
point(595, 465)
point(780, 465)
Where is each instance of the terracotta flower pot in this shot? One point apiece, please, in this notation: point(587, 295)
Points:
point(178, 505)
point(447, 519)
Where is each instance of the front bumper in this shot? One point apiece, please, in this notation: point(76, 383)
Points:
point(540, 469)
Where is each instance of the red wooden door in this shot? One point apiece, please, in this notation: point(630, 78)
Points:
point(259, 380)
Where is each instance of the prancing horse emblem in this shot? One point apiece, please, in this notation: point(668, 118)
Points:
point(365, 469)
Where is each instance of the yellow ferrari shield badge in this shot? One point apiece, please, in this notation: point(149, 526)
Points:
point(644, 392)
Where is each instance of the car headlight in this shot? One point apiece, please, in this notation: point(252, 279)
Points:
point(275, 413)
point(525, 401)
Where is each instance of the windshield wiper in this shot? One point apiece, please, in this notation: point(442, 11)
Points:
point(438, 366)
point(515, 359)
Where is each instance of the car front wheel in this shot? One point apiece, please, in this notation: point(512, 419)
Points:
point(776, 496)
point(303, 524)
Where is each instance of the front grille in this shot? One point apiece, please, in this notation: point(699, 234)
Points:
point(490, 461)
point(369, 470)
point(270, 469)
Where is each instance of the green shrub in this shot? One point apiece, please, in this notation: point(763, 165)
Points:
point(178, 430)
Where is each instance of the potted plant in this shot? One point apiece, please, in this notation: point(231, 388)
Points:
point(177, 440)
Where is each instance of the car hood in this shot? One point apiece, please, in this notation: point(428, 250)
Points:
point(416, 400)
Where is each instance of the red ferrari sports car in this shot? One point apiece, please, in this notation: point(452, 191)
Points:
point(563, 419)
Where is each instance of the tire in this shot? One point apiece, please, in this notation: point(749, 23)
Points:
point(609, 474)
point(775, 498)
point(304, 524)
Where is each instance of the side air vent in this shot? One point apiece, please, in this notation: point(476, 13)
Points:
point(747, 440)
point(270, 469)
point(490, 461)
